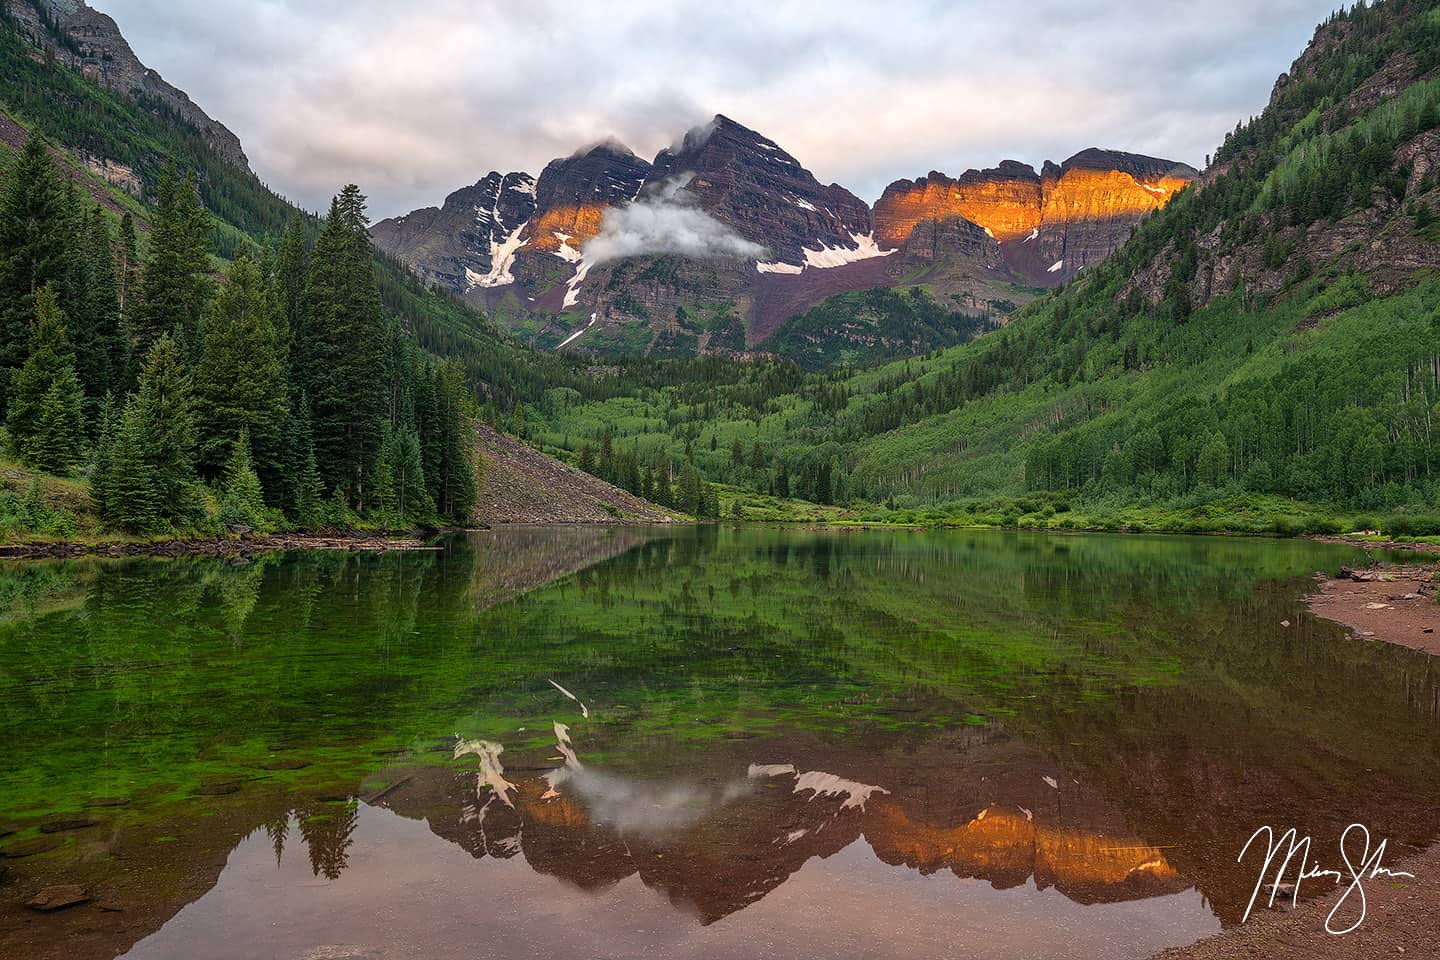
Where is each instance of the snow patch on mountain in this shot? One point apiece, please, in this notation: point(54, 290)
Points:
point(573, 336)
point(502, 258)
point(866, 248)
point(572, 291)
point(566, 252)
point(1055, 267)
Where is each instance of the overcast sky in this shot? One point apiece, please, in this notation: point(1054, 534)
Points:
point(412, 101)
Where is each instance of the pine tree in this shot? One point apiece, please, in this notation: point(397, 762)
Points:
point(242, 502)
point(823, 489)
point(34, 246)
point(307, 489)
point(691, 495)
point(57, 448)
point(412, 500)
point(385, 498)
point(288, 301)
point(456, 487)
point(239, 383)
point(131, 502)
point(127, 267)
point(95, 330)
point(45, 419)
point(339, 351)
point(175, 288)
point(103, 469)
point(157, 439)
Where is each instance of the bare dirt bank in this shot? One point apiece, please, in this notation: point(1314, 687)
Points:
point(1394, 603)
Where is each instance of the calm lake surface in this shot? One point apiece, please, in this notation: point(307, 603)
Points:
point(702, 742)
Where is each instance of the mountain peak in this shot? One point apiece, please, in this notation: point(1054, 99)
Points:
point(1136, 164)
point(608, 146)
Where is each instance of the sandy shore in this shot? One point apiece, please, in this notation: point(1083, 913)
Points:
point(1402, 919)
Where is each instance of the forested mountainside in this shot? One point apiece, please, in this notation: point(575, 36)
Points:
point(1271, 331)
point(570, 260)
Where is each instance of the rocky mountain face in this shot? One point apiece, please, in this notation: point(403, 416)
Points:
point(748, 182)
point(1074, 214)
point(453, 244)
point(89, 42)
point(776, 242)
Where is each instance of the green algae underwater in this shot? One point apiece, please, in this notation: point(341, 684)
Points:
point(710, 714)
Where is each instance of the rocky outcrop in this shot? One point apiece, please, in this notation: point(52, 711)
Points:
point(1004, 201)
point(573, 193)
point(89, 42)
point(1074, 214)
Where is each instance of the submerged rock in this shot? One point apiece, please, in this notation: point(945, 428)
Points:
point(29, 848)
point(58, 897)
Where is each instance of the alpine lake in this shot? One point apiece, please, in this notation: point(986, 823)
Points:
point(704, 742)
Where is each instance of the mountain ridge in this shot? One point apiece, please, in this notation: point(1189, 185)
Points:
point(817, 241)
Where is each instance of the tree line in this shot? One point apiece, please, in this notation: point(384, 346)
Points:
point(281, 394)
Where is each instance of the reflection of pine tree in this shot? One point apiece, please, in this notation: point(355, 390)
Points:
point(327, 833)
point(277, 828)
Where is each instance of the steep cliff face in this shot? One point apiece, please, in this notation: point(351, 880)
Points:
point(1074, 214)
point(88, 41)
point(462, 241)
point(1090, 202)
point(1004, 201)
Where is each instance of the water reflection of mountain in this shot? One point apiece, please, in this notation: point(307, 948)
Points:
point(718, 837)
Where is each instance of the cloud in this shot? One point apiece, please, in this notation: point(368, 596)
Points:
point(412, 101)
point(666, 219)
